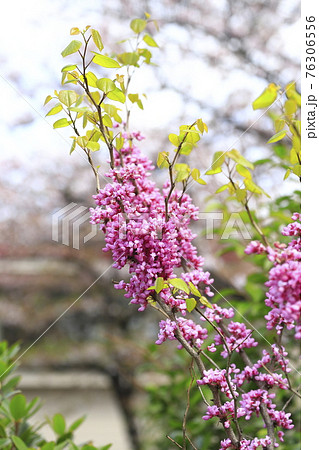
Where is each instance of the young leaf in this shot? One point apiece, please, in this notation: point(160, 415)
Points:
point(47, 99)
point(205, 302)
point(293, 94)
point(74, 31)
point(179, 284)
point(277, 137)
point(116, 95)
point(149, 41)
point(58, 424)
point(69, 67)
point(105, 84)
point(107, 121)
point(268, 97)
point(159, 284)
point(129, 58)
point(61, 123)
point(240, 159)
point(55, 110)
point(297, 170)
point(18, 442)
point(222, 188)
point(290, 107)
point(190, 304)
point(162, 160)
point(219, 158)
point(67, 97)
point(173, 138)
point(73, 47)
point(76, 424)
point(138, 25)
point(186, 148)
point(240, 194)
point(73, 146)
point(243, 171)
point(91, 79)
point(94, 146)
point(105, 61)
point(194, 289)
point(97, 39)
point(18, 406)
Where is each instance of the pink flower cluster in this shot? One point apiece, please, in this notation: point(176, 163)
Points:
point(153, 239)
point(247, 444)
point(193, 333)
point(239, 338)
point(224, 412)
point(218, 378)
point(284, 283)
point(131, 213)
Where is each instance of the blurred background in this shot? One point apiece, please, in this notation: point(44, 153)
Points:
point(215, 58)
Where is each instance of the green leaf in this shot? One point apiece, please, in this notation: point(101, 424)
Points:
point(97, 39)
point(222, 188)
point(240, 194)
point(290, 107)
point(61, 123)
point(73, 47)
point(213, 171)
point(18, 406)
point(91, 79)
point(173, 138)
point(243, 171)
point(4, 442)
point(293, 94)
point(219, 158)
point(74, 31)
point(252, 187)
point(268, 97)
point(105, 61)
point(194, 289)
point(76, 424)
point(94, 146)
point(159, 284)
point(48, 446)
point(277, 137)
point(279, 124)
point(162, 160)
point(149, 41)
point(205, 302)
point(180, 284)
point(195, 173)
point(69, 67)
point(186, 148)
point(107, 121)
point(116, 95)
point(129, 58)
point(190, 304)
point(47, 99)
point(73, 146)
point(18, 442)
point(288, 172)
point(105, 84)
point(119, 142)
point(138, 25)
point(293, 156)
point(55, 110)
point(297, 170)
point(182, 170)
point(58, 424)
point(67, 97)
point(240, 159)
